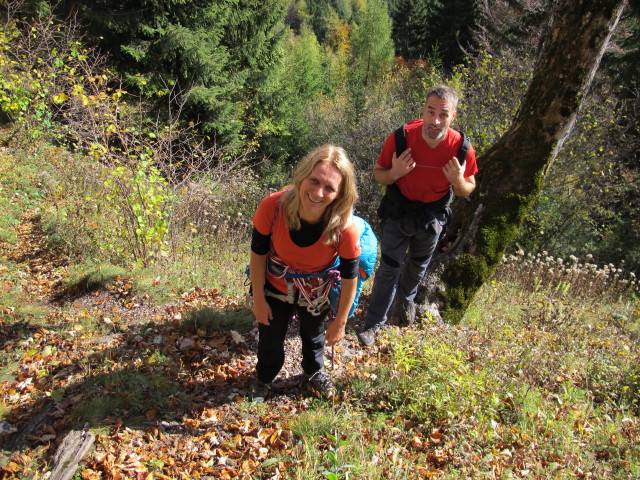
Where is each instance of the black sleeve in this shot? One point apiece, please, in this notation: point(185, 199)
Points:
point(260, 243)
point(348, 267)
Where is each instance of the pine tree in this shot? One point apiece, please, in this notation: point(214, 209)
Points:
point(424, 28)
point(412, 22)
point(372, 47)
point(283, 130)
point(215, 55)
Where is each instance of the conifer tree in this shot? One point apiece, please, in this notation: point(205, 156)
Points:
point(412, 20)
point(338, 42)
point(424, 28)
point(216, 55)
point(295, 85)
point(372, 47)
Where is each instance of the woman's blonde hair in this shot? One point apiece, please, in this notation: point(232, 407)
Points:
point(337, 215)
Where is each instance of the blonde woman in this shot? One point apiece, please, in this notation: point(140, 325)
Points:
point(303, 238)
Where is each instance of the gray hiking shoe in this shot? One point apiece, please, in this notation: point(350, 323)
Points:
point(258, 390)
point(367, 336)
point(321, 385)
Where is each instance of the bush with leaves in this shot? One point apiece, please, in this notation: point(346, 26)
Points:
point(130, 200)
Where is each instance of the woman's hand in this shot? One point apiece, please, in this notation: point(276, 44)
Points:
point(335, 332)
point(257, 272)
point(262, 310)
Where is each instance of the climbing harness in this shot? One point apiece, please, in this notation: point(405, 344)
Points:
point(313, 287)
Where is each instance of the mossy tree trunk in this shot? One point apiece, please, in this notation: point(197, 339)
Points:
point(511, 172)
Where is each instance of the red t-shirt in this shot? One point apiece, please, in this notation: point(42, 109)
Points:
point(426, 182)
point(314, 258)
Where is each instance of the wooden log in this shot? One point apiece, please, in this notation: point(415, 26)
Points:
point(75, 446)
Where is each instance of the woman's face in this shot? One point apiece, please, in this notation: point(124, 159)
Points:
point(318, 190)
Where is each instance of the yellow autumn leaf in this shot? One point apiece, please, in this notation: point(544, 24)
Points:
point(61, 97)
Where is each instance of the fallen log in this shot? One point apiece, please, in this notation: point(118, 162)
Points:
point(75, 446)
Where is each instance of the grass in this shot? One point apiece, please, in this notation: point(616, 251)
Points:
point(86, 278)
point(208, 320)
point(22, 179)
point(534, 383)
point(127, 394)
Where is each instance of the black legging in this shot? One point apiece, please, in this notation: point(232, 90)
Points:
point(271, 339)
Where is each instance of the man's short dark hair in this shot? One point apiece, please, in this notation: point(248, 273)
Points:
point(444, 92)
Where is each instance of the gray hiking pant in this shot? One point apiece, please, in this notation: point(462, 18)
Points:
point(406, 251)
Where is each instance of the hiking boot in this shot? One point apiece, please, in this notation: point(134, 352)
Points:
point(367, 336)
point(258, 390)
point(321, 385)
point(406, 314)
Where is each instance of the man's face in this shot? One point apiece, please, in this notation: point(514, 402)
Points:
point(438, 115)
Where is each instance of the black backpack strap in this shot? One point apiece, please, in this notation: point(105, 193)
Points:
point(464, 148)
point(401, 141)
point(389, 204)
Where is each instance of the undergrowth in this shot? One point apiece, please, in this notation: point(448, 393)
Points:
point(533, 383)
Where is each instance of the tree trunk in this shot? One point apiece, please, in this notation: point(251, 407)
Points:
point(511, 172)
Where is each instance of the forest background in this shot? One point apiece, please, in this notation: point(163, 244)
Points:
point(137, 139)
point(213, 104)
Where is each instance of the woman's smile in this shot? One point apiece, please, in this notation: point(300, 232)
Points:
point(318, 190)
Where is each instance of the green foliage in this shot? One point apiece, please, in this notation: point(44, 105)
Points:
point(338, 45)
point(491, 89)
point(590, 190)
point(282, 129)
point(214, 56)
point(23, 184)
point(139, 197)
point(586, 318)
point(621, 62)
point(432, 381)
point(433, 28)
point(332, 445)
point(372, 47)
point(411, 21)
point(25, 93)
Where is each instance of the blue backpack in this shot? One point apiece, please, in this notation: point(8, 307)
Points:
point(367, 262)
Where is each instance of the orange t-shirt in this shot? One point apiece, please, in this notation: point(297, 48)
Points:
point(314, 258)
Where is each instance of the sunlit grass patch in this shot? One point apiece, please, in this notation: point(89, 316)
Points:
point(546, 341)
point(18, 307)
point(429, 379)
point(338, 443)
point(22, 178)
point(217, 262)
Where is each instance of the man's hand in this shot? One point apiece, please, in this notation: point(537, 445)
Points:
point(455, 174)
point(402, 165)
point(454, 171)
